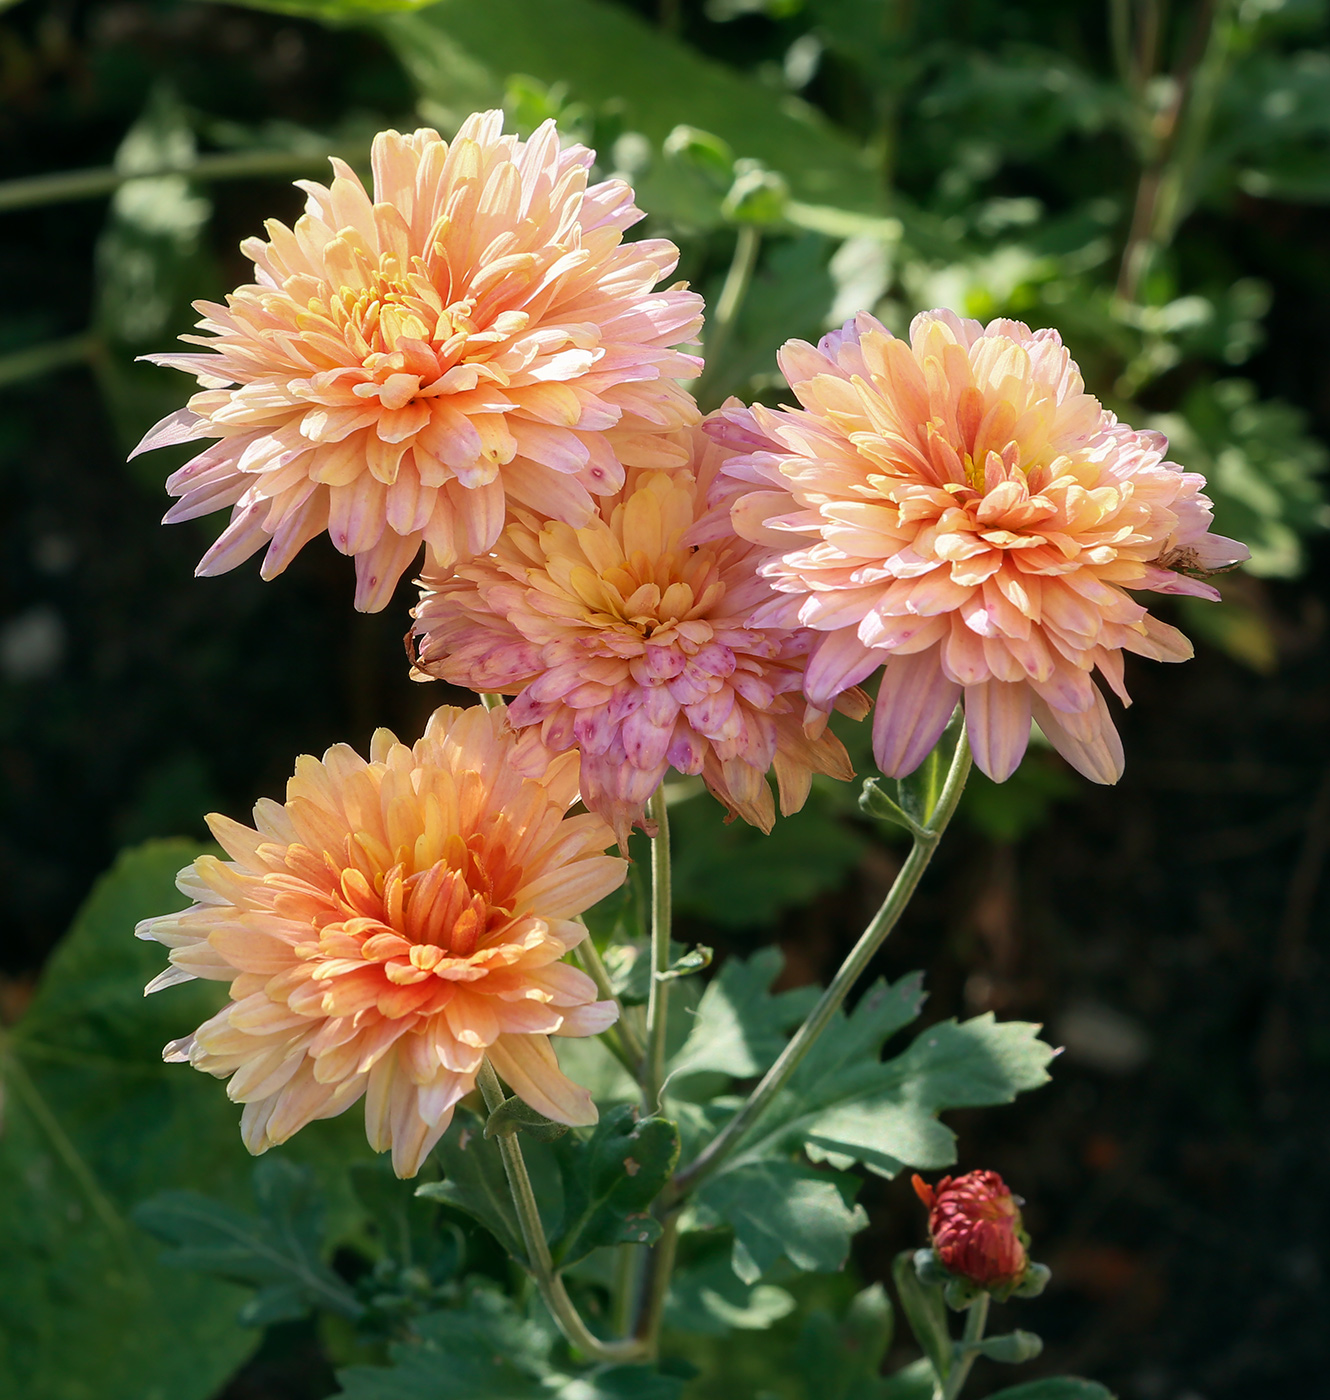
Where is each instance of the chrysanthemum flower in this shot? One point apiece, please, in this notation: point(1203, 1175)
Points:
point(975, 1225)
point(630, 638)
point(406, 364)
point(389, 926)
point(958, 507)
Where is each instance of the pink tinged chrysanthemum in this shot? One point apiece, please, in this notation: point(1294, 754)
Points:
point(407, 363)
point(389, 926)
point(959, 508)
point(630, 638)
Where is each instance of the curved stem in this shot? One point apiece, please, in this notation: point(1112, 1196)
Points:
point(976, 1318)
point(658, 1000)
point(539, 1262)
point(925, 843)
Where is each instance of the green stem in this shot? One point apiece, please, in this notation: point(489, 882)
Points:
point(658, 999)
point(40, 359)
point(731, 300)
point(660, 1266)
point(62, 186)
point(629, 1044)
point(1175, 142)
point(623, 1293)
point(539, 1262)
point(925, 843)
point(976, 1319)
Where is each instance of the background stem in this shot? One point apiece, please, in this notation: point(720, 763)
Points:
point(872, 938)
point(658, 1000)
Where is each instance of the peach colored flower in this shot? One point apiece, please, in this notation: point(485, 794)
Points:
point(958, 507)
point(630, 638)
point(406, 364)
point(389, 926)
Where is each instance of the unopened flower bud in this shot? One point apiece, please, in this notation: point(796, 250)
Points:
point(975, 1225)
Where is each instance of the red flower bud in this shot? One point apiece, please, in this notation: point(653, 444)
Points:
point(975, 1225)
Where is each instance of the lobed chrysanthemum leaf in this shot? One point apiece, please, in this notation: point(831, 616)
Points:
point(784, 1210)
point(610, 1181)
point(279, 1251)
point(486, 1350)
point(740, 1027)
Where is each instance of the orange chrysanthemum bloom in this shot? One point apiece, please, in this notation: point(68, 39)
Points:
point(630, 638)
point(957, 507)
point(406, 363)
point(389, 926)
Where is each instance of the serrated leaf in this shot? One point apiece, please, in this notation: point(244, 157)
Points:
point(485, 1350)
point(844, 1104)
point(784, 1210)
point(610, 1181)
point(740, 1026)
point(474, 1183)
point(278, 1252)
point(1056, 1388)
point(925, 1312)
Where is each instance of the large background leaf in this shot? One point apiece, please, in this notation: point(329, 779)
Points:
point(94, 1124)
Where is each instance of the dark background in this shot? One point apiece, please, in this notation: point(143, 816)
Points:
point(1169, 931)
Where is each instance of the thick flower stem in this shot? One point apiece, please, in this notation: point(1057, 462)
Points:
point(925, 843)
point(660, 1265)
point(658, 1000)
point(976, 1318)
point(539, 1262)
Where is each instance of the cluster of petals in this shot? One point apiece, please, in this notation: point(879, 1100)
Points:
point(975, 1225)
point(957, 509)
point(406, 364)
point(630, 638)
point(390, 925)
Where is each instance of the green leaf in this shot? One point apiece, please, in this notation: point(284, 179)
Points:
point(839, 1359)
point(784, 1210)
point(474, 1182)
point(925, 1312)
point(912, 1382)
point(844, 1104)
point(707, 1297)
point(279, 1251)
point(151, 264)
point(1264, 472)
point(1012, 1348)
point(611, 59)
point(513, 1116)
point(1055, 1388)
point(486, 1351)
point(610, 1181)
point(94, 1122)
point(740, 1026)
point(336, 11)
